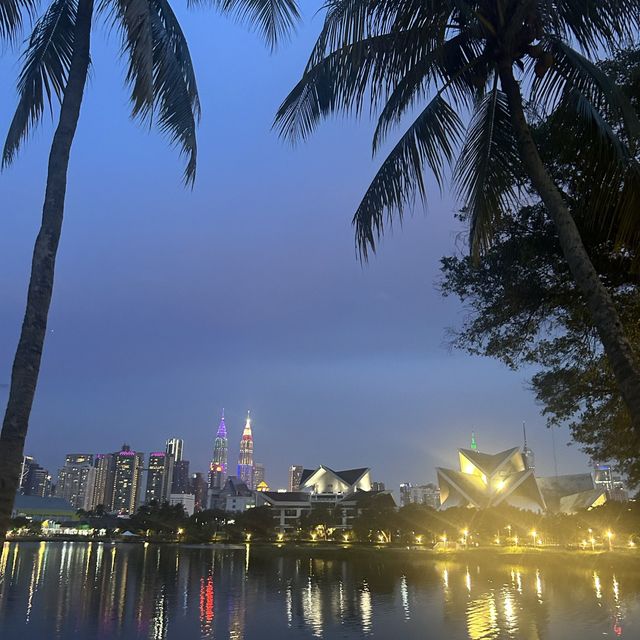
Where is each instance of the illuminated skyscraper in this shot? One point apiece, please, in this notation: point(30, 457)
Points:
point(218, 469)
point(159, 477)
point(245, 459)
point(105, 474)
point(258, 474)
point(76, 480)
point(175, 447)
point(127, 480)
point(295, 476)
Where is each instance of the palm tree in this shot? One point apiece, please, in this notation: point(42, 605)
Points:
point(55, 65)
point(494, 61)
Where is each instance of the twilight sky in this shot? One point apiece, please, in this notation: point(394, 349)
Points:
point(244, 293)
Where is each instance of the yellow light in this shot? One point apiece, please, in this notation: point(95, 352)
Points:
point(345, 537)
point(497, 540)
point(632, 543)
point(248, 537)
point(419, 539)
point(313, 537)
point(609, 534)
point(465, 532)
point(280, 537)
point(180, 532)
point(500, 485)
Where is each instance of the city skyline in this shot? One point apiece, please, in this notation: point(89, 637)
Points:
point(171, 303)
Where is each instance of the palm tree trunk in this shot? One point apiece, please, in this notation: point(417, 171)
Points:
point(26, 364)
point(599, 301)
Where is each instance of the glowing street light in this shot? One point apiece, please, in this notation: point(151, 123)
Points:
point(280, 537)
point(465, 534)
point(180, 531)
point(247, 537)
point(444, 539)
point(534, 535)
point(345, 537)
point(418, 539)
point(609, 535)
point(593, 543)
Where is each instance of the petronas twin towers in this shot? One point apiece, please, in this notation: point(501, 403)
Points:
point(219, 463)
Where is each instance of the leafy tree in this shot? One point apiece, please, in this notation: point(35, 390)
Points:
point(376, 519)
point(257, 521)
point(524, 308)
point(319, 520)
point(159, 518)
point(443, 58)
point(162, 90)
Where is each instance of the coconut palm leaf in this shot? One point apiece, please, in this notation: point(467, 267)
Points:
point(12, 14)
point(176, 101)
point(45, 68)
point(274, 20)
point(486, 172)
point(429, 141)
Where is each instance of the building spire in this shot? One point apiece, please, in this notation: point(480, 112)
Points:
point(524, 433)
point(474, 444)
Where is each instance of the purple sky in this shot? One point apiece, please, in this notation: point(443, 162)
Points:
point(244, 293)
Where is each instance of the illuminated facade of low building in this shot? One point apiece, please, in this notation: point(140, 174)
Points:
point(486, 480)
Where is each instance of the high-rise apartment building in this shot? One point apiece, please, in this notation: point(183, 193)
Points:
point(105, 465)
point(295, 476)
point(76, 480)
point(127, 480)
point(245, 459)
point(34, 479)
point(258, 474)
point(218, 468)
point(426, 494)
point(159, 477)
point(175, 447)
point(181, 480)
point(199, 490)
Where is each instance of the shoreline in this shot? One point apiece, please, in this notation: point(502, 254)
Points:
point(630, 557)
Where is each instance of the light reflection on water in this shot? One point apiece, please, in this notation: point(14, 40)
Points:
point(130, 592)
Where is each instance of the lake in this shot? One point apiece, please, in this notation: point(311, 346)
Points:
point(55, 590)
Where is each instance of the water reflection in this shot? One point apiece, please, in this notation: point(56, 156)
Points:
point(72, 590)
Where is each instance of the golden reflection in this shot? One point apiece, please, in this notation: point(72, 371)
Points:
point(467, 580)
point(366, 609)
point(289, 605)
point(160, 619)
point(4, 558)
point(312, 608)
point(538, 586)
point(482, 617)
point(404, 594)
point(246, 557)
point(597, 585)
point(445, 579)
point(616, 590)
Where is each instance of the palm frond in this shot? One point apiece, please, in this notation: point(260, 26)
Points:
point(429, 142)
point(346, 77)
point(571, 70)
point(274, 20)
point(12, 14)
point(593, 24)
point(459, 67)
point(486, 171)
point(45, 69)
point(133, 19)
point(175, 92)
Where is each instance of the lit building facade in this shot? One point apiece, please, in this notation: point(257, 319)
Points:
point(258, 474)
point(76, 481)
point(105, 465)
point(295, 475)
point(159, 477)
point(426, 494)
point(218, 468)
point(127, 480)
point(35, 480)
point(181, 480)
point(245, 459)
point(175, 447)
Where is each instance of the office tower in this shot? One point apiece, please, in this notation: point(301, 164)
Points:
point(426, 494)
point(245, 459)
point(199, 490)
point(527, 454)
point(295, 476)
point(34, 479)
point(218, 468)
point(159, 477)
point(76, 480)
point(127, 480)
point(105, 464)
point(175, 447)
point(181, 481)
point(258, 474)
point(377, 486)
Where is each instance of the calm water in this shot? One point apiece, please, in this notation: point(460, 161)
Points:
point(77, 590)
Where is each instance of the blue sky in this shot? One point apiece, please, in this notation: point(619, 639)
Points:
point(244, 293)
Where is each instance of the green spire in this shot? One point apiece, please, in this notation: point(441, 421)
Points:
point(474, 444)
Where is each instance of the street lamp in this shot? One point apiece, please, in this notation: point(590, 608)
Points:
point(534, 535)
point(465, 534)
point(609, 537)
point(444, 539)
